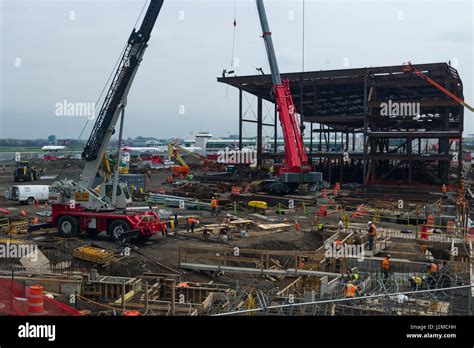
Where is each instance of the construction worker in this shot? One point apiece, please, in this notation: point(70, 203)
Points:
point(350, 290)
point(386, 267)
point(432, 270)
point(214, 206)
point(372, 232)
point(271, 170)
point(175, 224)
point(301, 263)
point(415, 282)
point(424, 233)
point(444, 189)
point(191, 224)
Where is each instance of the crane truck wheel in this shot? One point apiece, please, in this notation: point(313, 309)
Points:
point(68, 226)
point(117, 227)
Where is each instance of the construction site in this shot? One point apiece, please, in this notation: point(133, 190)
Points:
point(357, 204)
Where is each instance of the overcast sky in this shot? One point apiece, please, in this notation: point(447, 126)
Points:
point(58, 50)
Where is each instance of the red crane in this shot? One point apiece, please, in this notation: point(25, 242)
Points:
point(296, 159)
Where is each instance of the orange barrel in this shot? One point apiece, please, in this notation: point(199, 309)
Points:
point(430, 221)
point(35, 300)
point(451, 227)
point(131, 313)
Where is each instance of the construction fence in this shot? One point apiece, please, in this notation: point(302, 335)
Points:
point(432, 302)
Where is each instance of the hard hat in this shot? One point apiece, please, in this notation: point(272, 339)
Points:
point(370, 222)
point(389, 256)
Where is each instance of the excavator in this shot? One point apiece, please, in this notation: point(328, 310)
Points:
point(76, 205)
point(295, 172)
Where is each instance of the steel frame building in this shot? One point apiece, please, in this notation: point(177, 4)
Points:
point(336, 106)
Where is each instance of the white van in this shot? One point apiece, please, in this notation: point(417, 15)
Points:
point(28, 193)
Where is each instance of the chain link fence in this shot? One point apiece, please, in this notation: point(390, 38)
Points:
point(432, 302)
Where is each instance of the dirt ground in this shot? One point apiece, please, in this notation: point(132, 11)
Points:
point(159, 249)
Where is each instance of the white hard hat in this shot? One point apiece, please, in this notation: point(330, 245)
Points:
point(370, 222)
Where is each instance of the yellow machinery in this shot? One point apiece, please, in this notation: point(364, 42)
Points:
point(183, 169)
point(258, 205)
point(93, 254)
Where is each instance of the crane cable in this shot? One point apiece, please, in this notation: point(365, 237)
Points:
point(108, 80)
point(233, 44)
point(235, 31)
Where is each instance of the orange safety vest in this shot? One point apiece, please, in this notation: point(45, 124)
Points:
point(385, 264)
point(350, 290)
point(191, 220)
point(214, 203)
point(374, 230)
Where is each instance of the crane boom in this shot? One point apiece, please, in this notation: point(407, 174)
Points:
point(116, 97)
point(296, 159)
point(408, 68)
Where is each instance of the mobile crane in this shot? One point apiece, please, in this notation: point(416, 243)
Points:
point(76, 206)
point(296, 169)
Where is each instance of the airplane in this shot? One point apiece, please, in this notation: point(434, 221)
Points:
point(53, 148)
point(156, 149)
